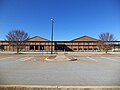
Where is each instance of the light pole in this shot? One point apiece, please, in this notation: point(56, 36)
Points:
point(52, 37)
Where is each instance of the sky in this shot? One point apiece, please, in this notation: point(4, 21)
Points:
point(72, 18)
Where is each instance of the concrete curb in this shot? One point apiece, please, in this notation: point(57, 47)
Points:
point(42, 87)
point(31, 86)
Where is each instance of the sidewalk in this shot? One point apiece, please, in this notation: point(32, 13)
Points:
point(61, 57)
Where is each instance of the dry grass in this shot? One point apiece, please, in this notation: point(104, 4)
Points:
point(70, 54)
point(26, 55)
point(94, 55)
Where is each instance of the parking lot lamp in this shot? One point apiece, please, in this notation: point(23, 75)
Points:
point(52, 37)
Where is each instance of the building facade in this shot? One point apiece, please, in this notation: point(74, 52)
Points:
point(81, 44)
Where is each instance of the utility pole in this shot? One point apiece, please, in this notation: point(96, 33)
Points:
point(52, 37)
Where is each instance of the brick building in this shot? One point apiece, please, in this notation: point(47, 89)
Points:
point(84, 43)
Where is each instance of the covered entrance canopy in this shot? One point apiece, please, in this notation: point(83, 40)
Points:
point(61, 46)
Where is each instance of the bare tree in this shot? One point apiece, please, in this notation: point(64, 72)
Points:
point(16, 39)
point(0, 46)
point(106, 41)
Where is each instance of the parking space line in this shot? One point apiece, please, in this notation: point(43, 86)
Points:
point(92, 59)
point(5, 58)
point(21, 59)
point(26, 59)
point(109, 59)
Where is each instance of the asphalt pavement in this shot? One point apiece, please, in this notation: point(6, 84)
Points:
point(86, 71)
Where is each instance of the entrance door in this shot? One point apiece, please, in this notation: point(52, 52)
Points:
point(36, 47)
point(60, 47)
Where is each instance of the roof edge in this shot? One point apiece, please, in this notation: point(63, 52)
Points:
point(84, 36)
point(39, 37)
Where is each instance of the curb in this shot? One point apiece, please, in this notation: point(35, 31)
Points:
point(42, 87)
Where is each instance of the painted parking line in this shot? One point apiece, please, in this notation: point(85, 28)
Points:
point(109, 59)
point(21, 59)
point(5, 58)
point(24, 59)
point(92, 59)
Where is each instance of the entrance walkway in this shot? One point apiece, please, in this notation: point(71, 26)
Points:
point(61, 57)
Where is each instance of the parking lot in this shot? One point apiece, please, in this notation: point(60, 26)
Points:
point(102, 71)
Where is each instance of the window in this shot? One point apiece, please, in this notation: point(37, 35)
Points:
point(31, 47)
point(75, 48)
point(36, 47)
point(80, 48)
point(95, 49)
point(90, 48)
point(85, 48)
point(1, 47)
point(41, 47)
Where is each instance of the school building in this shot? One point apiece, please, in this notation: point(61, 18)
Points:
point(81, 44)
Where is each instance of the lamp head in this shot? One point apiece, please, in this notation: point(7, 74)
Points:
point(51, 19)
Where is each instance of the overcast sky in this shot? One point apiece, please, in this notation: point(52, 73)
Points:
point(72, 18)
